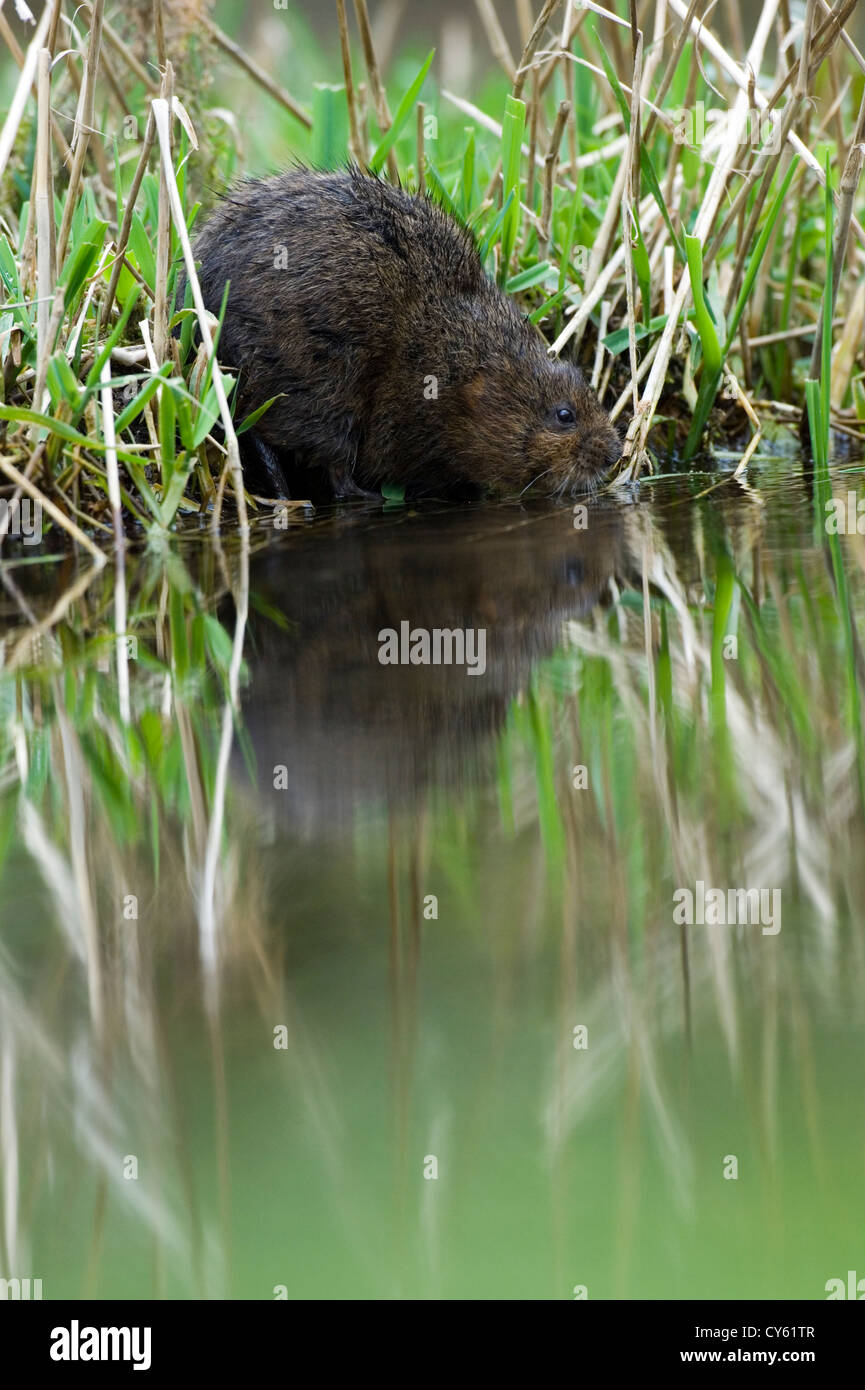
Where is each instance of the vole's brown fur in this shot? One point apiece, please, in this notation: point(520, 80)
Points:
point(396, 360)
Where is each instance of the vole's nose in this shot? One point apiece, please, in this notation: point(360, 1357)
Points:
point(601, 450)
point(612, 448)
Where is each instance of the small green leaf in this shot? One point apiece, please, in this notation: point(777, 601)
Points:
point(526, 279)
point(329, 125)
point(513, 126)
point(256, 415)
point(402, 115)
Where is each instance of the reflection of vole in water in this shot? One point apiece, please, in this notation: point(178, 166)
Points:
point(350, 730)
point(396, 360)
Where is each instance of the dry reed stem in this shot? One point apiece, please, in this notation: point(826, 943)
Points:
point(44, 211)
point(672, 64)
point(739, 203)
point(570, 28)
point(499, 46)
point(635, 443)
point(123, 51)
point(741, 78)
point(161, 116)
point(533, 44)
point(356, 135)
point(20, 58)
point(550, 167)
point(632, 187)
point(585, 161)
point(379, 96)
point(126, 227)
point(163, 230)
point(83, 126)
point(159, 34)
point(113, 475)
point(26, 78)
point(534, 115)
point(764, 175)
point(255, 72)
point(847, 190)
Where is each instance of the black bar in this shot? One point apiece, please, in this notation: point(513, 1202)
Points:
point(207, 1338)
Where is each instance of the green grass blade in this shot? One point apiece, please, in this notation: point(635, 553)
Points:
point(402, 114)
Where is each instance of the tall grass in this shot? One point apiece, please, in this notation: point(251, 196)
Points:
point(621, 176)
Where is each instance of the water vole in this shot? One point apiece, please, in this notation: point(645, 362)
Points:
point(396, 360)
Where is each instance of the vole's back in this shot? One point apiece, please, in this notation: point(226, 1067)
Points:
point(309, 212)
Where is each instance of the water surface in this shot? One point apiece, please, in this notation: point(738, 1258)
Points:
point(262, 976)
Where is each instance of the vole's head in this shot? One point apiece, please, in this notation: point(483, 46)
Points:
point(536, 427)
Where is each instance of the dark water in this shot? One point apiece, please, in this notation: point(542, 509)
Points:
point(378, 989)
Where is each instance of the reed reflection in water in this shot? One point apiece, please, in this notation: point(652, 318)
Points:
point(259, 965)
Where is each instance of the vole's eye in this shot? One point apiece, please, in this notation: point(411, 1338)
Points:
point(565, 415)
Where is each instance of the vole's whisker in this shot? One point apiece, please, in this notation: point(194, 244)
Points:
point(532, 481)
